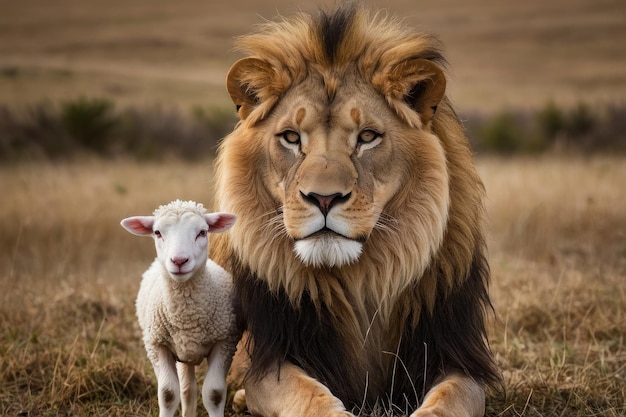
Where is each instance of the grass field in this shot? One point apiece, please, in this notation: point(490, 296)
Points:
point(69, 344)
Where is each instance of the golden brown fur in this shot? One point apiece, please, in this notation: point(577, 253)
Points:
point(346, 114)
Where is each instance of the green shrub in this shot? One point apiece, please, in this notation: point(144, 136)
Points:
point(217, 121)
point(34, 133)
point(502, 133)
point(579, 129)
point(155, 133)
point(90, 122)
point(580, 121)
point(551, 122)
point(47, 130)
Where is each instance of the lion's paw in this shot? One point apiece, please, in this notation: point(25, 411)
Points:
point(239, 401)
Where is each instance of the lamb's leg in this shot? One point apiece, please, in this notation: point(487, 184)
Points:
point(214, 386)
point(167, 379)
point(188, 388)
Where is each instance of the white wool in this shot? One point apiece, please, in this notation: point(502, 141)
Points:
point(177, 207)
point(188, 317)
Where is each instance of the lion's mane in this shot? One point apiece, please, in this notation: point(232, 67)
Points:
point(414, 304)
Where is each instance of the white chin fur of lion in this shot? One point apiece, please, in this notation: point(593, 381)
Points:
point(328, 251)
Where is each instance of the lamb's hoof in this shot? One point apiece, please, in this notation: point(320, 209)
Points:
point(239, 401)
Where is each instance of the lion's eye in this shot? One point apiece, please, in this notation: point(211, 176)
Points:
point(290, 137)
point(368, 136)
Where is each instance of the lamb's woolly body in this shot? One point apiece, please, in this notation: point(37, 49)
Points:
point(188, 317)
point(185, 306)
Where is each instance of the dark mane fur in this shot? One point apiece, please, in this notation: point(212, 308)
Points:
point(309, 338)
point(451, 337)
point(331, 29)
point(305, 336)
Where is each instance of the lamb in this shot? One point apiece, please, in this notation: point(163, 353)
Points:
point(185, 306)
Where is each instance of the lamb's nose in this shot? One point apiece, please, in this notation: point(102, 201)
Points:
point(179, 260)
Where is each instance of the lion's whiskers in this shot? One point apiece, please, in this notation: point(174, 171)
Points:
point(387, 223)
point(272, 224)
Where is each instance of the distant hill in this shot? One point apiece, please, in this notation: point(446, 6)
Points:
point(502, 54)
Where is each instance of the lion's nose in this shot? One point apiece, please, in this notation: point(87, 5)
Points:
point(325, 202)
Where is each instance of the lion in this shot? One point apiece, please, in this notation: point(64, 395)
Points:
point(359, 259)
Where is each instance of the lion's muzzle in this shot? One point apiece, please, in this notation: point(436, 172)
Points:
point(327, 242)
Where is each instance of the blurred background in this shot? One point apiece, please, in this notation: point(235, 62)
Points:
point(111, 108)
point(114, 70)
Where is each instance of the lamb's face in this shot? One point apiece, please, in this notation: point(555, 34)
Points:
point(180, 232)
point(181, 244)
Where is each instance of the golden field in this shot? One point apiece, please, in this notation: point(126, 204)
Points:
point(502, 53)
point(69, 343)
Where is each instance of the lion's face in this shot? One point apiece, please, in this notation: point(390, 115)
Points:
point(333, 167)
point(335, 170)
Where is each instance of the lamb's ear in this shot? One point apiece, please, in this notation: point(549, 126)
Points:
point(252, 83)
point(220, 222)
point(418, 82)
point(139, 225)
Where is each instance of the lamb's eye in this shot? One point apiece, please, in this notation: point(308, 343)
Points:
point(157, 233)
point(202, 234)
point(368, 136)
point(290, 136)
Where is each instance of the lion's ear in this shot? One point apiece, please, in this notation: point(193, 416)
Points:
point(418, 82)
point(250, 83)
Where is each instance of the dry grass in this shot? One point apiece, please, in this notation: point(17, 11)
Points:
point(558, 256)
point(69, 344)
